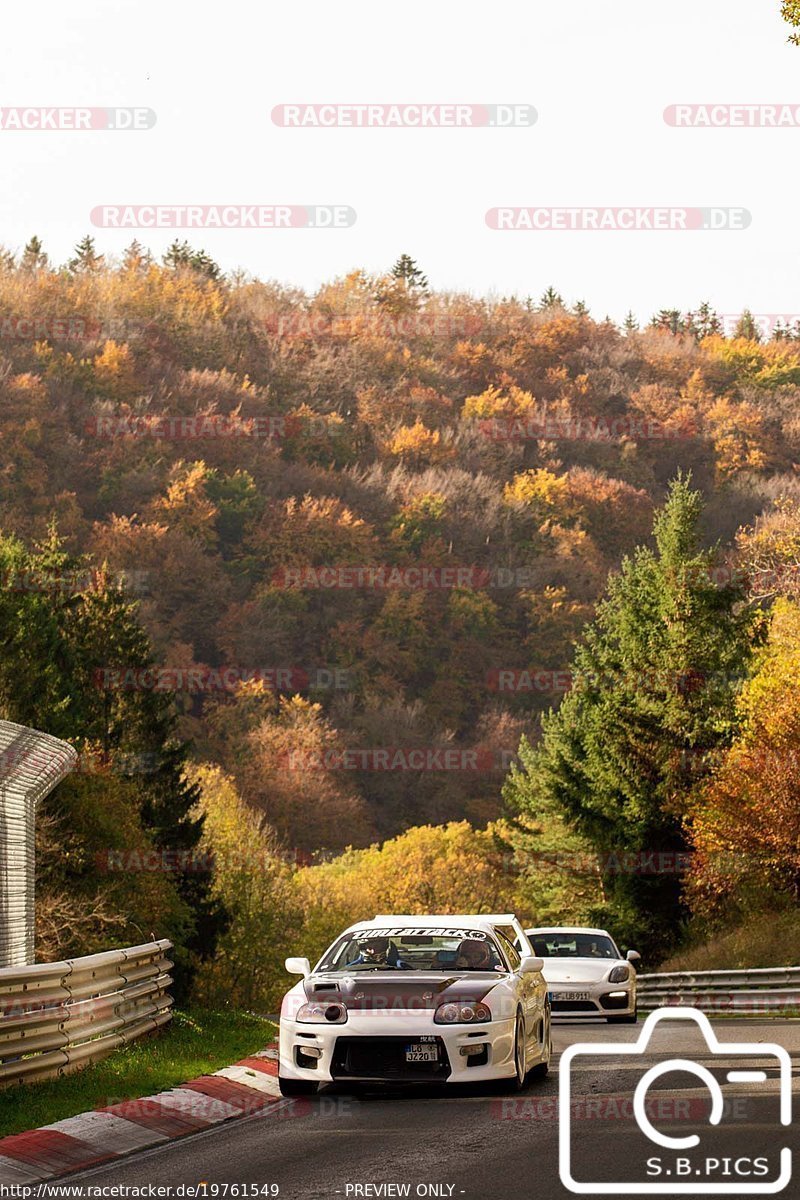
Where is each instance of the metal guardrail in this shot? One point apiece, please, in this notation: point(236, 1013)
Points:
point(772, 990)
point(31, 764)
point(57, 1017)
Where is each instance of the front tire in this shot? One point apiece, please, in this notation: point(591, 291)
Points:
point(297, 1087)
point(517, 1081)
point(541, 1070)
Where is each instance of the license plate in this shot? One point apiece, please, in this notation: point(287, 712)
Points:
point(422, 1052)
point(570, 996)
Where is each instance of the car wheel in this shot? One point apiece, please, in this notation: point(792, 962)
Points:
point(297, 1087)
point(517, 1081)
point(541, 1070)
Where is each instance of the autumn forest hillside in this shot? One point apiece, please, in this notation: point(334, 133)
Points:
point(362, 531)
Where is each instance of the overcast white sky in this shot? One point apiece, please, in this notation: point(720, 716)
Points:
point(599, 72)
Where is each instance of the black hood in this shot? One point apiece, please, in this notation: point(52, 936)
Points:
point(404, 990)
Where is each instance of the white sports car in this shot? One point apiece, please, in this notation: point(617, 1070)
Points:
point(586, 974)
point(408, 999)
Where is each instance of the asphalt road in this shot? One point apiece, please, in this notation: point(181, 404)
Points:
point(481, 1145)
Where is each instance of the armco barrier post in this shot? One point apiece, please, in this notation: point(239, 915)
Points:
point(31, 764)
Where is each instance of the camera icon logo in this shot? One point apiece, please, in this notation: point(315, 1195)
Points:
point(678, 1171)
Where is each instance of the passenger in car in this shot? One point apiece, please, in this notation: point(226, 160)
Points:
point(474, 955)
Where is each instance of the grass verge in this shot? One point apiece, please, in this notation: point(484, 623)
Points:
point(764, 940)
point(194, 1043)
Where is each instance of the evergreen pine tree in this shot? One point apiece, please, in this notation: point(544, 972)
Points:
point(180, 256)
point(669, 319)
point(706, 321)
point(550, 298)
point(746, 327)
point(784, 332)
point(406, 272)
point(404, 289)
point(33, 256)
point(654, 687)
point(60, 644)
point(85, 259)
point(136, 257)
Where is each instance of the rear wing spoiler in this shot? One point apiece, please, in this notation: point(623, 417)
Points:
point(492, 918)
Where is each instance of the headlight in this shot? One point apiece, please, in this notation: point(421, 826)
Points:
point(461, 1014)
point(316, 1013)
point(619, 975)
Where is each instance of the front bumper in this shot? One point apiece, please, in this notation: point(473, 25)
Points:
point(597, 999)
point(370, 1047)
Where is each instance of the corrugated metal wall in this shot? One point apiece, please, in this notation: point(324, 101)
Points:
point(31, 764)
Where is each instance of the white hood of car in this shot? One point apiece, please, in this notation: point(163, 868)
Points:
point(579, 970)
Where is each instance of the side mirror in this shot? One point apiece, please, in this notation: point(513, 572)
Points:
point(633, 956)
point(531, 964)
point(298, 966)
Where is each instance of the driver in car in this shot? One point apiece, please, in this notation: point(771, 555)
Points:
point(378, 952)
point(474, 955)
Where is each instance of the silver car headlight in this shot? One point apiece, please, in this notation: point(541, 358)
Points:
point(316, 1013)
point(461, 1014)
point(619, 975)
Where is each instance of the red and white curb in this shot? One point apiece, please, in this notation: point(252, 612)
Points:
point(77, 1143)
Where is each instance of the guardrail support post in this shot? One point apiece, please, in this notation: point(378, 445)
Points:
point(31, 764)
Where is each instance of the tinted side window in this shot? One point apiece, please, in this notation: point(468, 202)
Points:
point(511, 953)
point(509, 933)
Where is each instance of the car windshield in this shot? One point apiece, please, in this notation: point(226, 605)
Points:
point(573, 945)
point(414, 949)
